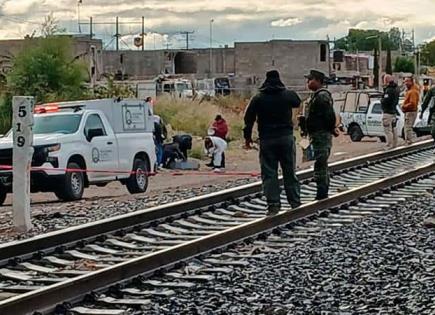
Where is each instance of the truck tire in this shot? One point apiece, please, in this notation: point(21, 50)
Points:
point(138, 181)
point(355, 133)
point(72, 186)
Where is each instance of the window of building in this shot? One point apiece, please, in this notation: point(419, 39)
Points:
point(322, 52)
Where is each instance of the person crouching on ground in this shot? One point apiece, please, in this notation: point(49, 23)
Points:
point(410, 107)
point(215, 147)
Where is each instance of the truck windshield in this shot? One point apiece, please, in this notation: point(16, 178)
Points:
point(65, 124)
point(182, 87)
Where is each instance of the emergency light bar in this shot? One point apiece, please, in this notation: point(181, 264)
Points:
point(54, 107)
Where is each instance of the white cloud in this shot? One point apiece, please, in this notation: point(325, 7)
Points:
point(286, 22)
point(19, 7)
point(363, 24)
point(233, 18)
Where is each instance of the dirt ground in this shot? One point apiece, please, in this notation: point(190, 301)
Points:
point(237, 160)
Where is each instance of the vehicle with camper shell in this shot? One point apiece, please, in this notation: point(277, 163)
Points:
point(213, 87)
point(83, 143)
point(361, 115)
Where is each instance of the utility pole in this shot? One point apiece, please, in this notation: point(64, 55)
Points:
point(91, 33)
point(117, 34)
point(143, 33)
point(187, 33)
point(380, 63)
point(417, 63)
point(416, 68)
point(211, 47)
point(379, 59)
point(79, 2)
point(357, 69)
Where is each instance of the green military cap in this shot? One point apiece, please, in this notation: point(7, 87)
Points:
point(317, 75)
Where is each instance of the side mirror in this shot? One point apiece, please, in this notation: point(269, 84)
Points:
point(92, 133)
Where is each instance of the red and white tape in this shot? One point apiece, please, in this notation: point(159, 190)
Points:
point(175, 173)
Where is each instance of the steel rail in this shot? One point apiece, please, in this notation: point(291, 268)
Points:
point(46, 298)
point(65, 237)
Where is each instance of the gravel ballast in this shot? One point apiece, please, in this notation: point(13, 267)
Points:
point(382, 264)
point(56, 216)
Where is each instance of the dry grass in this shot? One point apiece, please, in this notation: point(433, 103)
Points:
point(195, 117)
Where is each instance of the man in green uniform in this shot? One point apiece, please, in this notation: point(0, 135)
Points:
point(272, 109)
point(320, 126)
point(429, 99)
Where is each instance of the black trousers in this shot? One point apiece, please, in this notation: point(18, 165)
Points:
point(280, 151)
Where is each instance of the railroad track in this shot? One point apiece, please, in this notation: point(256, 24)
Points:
point(93, 256)
point(215, 273)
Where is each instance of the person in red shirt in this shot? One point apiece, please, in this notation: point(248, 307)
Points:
point(220, 127)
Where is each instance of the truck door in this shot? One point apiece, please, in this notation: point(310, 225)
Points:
point(361, 112)
point(102, 155)
point(374, 119)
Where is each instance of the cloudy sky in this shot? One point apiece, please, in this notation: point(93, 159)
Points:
point(234, 20)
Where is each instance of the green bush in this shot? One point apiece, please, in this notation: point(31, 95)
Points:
point(5, 113)
point(404, 64)
point(47, 70)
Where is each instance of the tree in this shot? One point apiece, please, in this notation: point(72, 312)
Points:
point(395, 38)
point(366, 40)
point(428, 53)
point(376, 68)
point(113, 90)
point(46, 69)
point(50, 26)
point(389, 66)
point(404, 64)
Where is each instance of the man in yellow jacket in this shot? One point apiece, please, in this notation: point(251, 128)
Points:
point(410, 107)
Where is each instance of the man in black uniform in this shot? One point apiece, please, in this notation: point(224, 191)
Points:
point(389, 110)
point(320, 126)
point(272, 109)
point(429, 99)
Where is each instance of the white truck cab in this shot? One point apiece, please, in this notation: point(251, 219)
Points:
point(361, 115)
point(78, 144)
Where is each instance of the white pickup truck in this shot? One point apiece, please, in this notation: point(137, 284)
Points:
point(361, 115)
point(77, 144)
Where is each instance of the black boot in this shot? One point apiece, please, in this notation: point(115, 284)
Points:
point(273, 209)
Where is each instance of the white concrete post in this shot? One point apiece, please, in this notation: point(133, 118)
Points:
point(22, 123)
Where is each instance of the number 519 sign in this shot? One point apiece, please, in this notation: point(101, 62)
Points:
point(22, 157)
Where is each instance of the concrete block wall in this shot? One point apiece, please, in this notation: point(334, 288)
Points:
point(292, 59)
point(135, 63)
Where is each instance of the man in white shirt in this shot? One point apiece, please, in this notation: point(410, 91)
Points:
point(215, 147)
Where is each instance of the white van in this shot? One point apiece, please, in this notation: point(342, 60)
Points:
point(83, 143)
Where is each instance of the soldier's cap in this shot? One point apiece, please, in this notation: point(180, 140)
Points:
point(317, 75)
